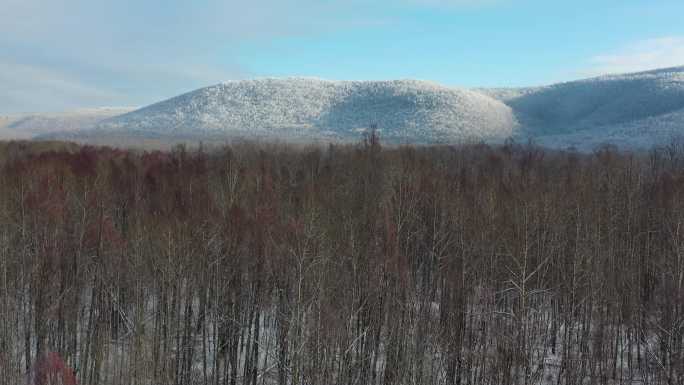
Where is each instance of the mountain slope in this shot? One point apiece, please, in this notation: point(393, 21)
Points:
point(603, 104)
point(405, 110)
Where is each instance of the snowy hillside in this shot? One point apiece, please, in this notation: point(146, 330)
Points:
point(403, 110)
point(630, 110)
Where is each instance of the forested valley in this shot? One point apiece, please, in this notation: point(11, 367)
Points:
point(263, 263)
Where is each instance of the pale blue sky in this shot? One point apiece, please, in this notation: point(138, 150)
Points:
point(65, 54)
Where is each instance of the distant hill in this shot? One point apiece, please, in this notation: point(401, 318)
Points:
point(26, 126)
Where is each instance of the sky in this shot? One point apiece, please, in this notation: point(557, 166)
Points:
point(58, 55)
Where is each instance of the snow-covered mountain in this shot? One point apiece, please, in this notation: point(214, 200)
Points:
point(632, 110)
point(402, 110)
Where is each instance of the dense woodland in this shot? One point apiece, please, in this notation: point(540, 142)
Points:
point(265, 264)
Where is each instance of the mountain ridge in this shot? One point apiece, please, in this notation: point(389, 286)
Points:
point(324, 108)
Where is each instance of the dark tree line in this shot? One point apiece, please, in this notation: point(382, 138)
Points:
point(268, 264)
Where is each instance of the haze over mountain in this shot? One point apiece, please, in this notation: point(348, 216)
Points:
point(632, 110)
point(26, 126)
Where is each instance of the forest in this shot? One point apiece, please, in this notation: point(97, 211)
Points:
point(276, 264)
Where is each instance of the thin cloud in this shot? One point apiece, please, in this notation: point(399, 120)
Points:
point(30, 88)
point(640, 56)
point(86, 52)
point(75, 53)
